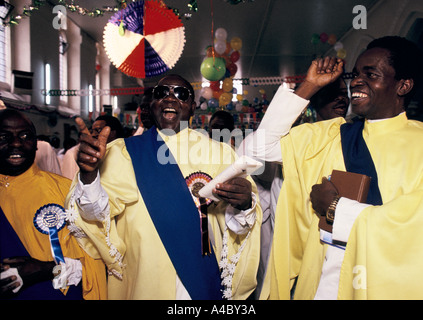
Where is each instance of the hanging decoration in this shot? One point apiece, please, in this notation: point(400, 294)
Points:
point(145, 39)
point(93, 12)
point(219, 67)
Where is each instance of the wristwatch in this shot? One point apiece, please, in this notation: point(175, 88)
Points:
point(330, 213)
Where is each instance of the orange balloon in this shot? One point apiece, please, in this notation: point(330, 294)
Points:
point(217, 93)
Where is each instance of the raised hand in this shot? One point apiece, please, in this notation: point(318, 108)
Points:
point(91, 151)
point(323, 71)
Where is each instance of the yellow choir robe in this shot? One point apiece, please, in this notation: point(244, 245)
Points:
point(20, 198)
point(129, 243)
point(384, 253)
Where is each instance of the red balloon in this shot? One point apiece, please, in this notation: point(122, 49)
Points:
point(232, 69)
point(235, 56)
point(215, 85)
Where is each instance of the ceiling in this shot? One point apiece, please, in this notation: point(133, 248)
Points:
point(276, 34)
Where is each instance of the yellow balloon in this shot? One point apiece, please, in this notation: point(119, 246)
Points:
point(227, 85)
point(236, 43)
point(341, 54)
point(225, 99)
point(245, 92)
point(239, 97)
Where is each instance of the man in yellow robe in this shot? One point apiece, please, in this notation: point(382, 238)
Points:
point(27, 256)
point(382, 258)
point(120, 225)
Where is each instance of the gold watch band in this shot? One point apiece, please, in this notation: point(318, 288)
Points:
point(330, 213)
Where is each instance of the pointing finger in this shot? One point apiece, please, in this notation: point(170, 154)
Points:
point(81, 126)
point(103, 136)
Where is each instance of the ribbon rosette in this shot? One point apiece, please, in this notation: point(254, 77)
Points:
point(50, 219)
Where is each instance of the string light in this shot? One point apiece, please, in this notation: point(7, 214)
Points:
point(94, 12)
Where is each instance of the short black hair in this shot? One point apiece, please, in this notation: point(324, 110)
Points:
point(226, 117)
point(405, 57)
point(113, 123)
point(12, 112)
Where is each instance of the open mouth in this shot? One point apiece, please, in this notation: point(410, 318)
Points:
point(358, 96)
point(169, 113)
point(340, 108)
point(16, 159)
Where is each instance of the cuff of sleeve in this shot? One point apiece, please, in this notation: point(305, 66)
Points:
point(92, 200)
point(70, 275)
point(240, 221)
point(346, 213)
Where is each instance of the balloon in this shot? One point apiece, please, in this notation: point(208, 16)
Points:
point(245, 92)
point(217, 93)
point(239, 97)
point(338, 46)
point(332, 39)
point(324, 37)
point(238, 106)
point(220, 34)
point(207, 93)
point(229, 106)
point(227, 85)
point(232, 69)
point(341, 54)
point(235, 56)
point(220, 46)
point(227, 59)
point(203, 106)
point(236, 43)
point(213, 69)
point(262, 91)
point(225, 98)
point(245, 102)
point(213, 103)
point(215, 85)
point(315, 38)
point(228, 48)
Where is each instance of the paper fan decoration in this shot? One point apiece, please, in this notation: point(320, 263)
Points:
point(145, 39)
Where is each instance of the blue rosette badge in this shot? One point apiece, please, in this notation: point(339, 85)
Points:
point(50, 219)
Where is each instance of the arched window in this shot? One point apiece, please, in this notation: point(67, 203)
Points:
point(63, 65)
point(4, 57)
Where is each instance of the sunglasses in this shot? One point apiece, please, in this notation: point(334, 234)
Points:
point(161, 91)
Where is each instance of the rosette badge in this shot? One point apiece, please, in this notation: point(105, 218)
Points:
point(50, 219)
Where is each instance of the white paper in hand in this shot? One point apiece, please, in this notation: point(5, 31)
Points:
point(242, 167)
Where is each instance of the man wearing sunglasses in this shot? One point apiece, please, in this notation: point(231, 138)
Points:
point(139, 208)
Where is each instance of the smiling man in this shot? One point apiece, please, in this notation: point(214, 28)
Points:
point(382, 258)
point(144, 217)
point(31, 208)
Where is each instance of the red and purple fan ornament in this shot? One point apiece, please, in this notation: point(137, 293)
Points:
point(145, 39)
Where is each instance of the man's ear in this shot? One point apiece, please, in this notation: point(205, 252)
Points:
point(405, 87)
point(193, 106)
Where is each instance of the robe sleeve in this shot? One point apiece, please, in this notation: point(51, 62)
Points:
point(385, 241)
point(100, 239)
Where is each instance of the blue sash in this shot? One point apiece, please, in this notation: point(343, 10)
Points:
point(11, 246)
point(358, 159)
point(175, 216)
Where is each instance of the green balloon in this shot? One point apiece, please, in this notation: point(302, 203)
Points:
point(213, 69)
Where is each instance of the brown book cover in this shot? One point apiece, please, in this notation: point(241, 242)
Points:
point(350, 185)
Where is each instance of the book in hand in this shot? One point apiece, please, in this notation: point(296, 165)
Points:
point(350, 185)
